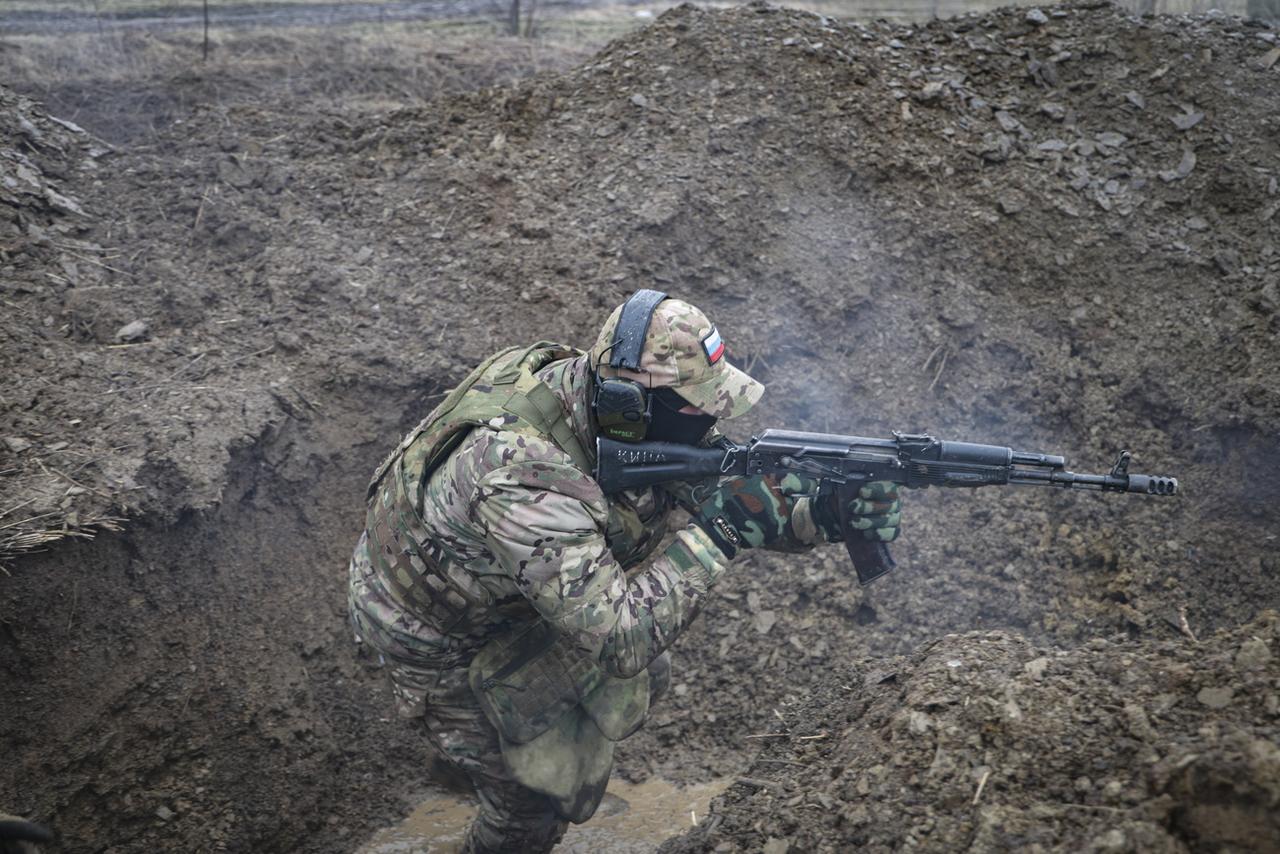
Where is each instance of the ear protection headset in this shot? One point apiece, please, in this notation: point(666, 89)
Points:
point(622, 406)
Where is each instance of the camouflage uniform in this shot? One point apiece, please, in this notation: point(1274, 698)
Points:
point(503, 589)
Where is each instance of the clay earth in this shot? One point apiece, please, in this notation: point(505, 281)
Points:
point(1058, 232)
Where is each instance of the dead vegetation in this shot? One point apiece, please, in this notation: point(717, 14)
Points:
point(128, 85)
point(23, 536)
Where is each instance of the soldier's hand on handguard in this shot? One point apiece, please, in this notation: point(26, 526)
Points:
point(876, 512)
point(750, 512)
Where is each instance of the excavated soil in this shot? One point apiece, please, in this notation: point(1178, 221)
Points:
point(984, 742)
point(1055, 231)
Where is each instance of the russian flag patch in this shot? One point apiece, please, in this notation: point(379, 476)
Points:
point(713, 346)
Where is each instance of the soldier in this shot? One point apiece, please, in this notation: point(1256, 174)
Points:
point(505, 592)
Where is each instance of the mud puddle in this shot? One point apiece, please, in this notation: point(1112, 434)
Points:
point(633, 818)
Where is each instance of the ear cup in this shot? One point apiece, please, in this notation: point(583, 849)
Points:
point(622, 409)
point(621, 405)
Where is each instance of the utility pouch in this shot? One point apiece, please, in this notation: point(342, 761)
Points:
point(528, 679)
point(557, 714)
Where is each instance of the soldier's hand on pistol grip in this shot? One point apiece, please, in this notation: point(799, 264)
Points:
point(750, 512)
point(876, 512)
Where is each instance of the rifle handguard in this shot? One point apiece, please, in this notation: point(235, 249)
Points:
point(871, 558)
point(911, 460)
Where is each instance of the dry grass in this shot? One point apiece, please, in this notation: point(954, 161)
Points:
point(131, 56)
point(25, 540)
point(124, 86)
point(111, 7)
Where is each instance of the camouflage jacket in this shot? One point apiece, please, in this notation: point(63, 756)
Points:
point(521, 533)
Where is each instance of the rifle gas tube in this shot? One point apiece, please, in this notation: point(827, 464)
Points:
point(841, 464)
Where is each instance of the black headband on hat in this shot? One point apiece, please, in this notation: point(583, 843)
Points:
point(633, 325)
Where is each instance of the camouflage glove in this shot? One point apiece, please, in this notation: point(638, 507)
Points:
point(750, 512)
point(876, 512)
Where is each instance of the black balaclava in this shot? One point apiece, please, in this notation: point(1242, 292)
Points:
point(668, 424)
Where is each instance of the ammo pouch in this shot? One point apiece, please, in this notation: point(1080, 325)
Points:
point(557, 714)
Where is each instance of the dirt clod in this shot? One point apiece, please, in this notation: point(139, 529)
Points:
point(133, 331)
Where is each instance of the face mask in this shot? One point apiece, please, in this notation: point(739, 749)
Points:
point(668, 424)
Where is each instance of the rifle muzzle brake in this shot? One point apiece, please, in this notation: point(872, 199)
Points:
point(1151, 485)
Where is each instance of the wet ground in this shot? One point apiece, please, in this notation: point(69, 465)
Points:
point(633, 818)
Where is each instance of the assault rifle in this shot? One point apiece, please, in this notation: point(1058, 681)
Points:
point(842, 464)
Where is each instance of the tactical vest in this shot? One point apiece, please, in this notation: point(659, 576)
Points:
point(415, 569)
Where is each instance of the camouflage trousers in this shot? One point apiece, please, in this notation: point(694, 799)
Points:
point(430, 683)
point(511, 817)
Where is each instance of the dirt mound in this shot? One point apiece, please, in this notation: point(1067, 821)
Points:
point(127, 86)
point(42, 156)
point(1053, 231)
point(44, 161)
point(127, 385)
point(1063, 232)
point(983, 741)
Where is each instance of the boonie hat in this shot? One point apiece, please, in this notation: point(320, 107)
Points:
point(683, 350)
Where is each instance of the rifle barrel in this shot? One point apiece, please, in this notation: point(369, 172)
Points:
point(1141, 483)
